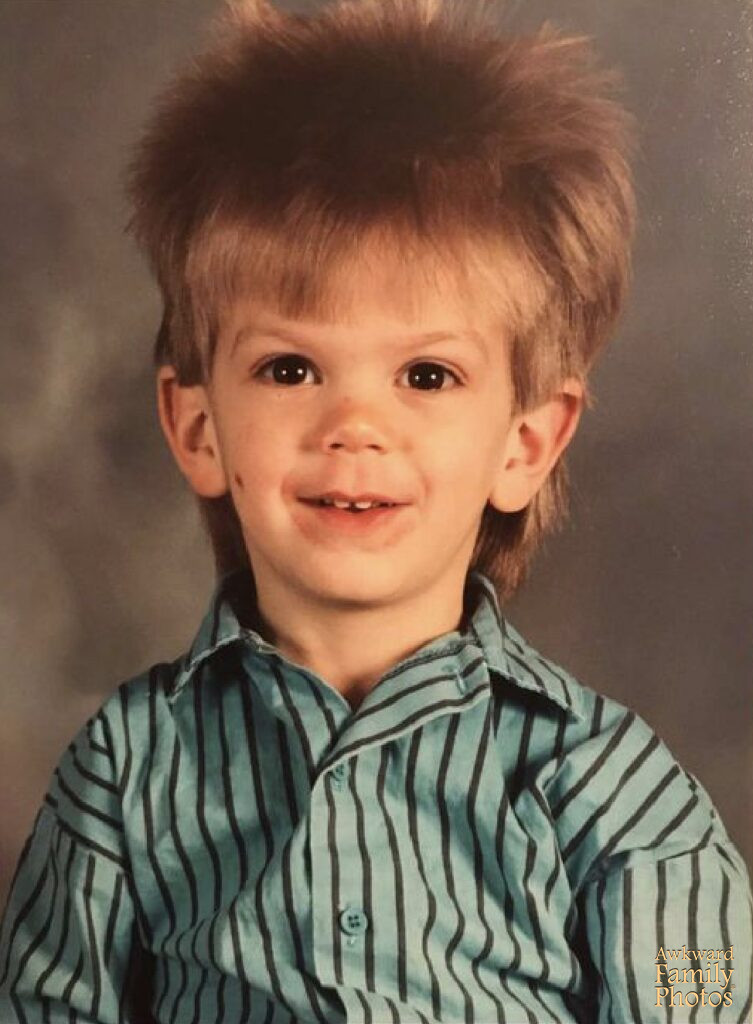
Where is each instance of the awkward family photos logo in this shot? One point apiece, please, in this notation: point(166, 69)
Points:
point(712, 967)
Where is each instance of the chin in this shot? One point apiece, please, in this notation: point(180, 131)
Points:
point(354, 586)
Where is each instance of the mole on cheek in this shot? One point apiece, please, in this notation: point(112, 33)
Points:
point(239, 481)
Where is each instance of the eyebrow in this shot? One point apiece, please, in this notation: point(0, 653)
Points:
point(251, 333)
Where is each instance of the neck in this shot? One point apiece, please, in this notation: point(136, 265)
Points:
point(352, 646)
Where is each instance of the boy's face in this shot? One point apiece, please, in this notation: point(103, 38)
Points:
point(405, 399)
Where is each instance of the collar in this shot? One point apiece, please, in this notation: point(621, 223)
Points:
point(506, 653)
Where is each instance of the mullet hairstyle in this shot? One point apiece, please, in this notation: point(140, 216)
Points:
point(294, 142)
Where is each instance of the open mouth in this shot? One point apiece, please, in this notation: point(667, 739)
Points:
point(352, 515)
point(357, 504)
point(350, 506)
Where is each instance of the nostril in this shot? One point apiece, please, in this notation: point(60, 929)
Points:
point(342, 446)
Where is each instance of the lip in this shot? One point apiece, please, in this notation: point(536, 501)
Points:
point(372, 496)
point(342, 522)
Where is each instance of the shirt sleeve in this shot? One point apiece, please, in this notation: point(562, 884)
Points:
point(671, 939)
point(68, 934)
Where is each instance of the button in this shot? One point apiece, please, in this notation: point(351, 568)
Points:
point(338, 776)
point(353, 921)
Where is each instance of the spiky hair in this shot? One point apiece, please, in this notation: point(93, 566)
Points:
point(292, 140)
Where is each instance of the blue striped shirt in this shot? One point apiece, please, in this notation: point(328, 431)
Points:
point(482, 840)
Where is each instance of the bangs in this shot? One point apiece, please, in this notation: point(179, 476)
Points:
point(316, 270)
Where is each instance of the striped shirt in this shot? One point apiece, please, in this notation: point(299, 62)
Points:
point(482, 840)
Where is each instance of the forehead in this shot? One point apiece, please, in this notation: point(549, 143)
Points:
point(413, 287)
point(374, 310)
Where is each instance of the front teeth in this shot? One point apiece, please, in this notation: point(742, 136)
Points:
point(360, 505)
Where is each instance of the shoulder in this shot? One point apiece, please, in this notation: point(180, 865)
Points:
point(129, 744)
point(107, 754)
point(614, 790)
point(139, 706)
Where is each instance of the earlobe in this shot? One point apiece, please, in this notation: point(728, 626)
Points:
point(535, 441)
point(187, 422)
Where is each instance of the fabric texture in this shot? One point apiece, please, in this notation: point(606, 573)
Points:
point(482, 840)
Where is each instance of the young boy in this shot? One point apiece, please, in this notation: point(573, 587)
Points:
point(390, 243)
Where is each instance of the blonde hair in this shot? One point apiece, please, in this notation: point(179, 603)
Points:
point(293, 139)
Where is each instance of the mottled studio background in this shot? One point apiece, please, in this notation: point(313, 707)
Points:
point(648, 595)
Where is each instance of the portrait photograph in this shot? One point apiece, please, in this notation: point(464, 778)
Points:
point(163, 218)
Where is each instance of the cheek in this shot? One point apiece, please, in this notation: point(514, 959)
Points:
point(459, 451)
point(257, 462)
point(463, 465)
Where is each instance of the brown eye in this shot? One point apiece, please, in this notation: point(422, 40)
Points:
point(430, 377)
point(287, 370)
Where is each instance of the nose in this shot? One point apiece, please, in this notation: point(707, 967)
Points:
point(355, 427)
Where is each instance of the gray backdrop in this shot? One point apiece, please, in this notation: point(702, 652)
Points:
point(645, 596)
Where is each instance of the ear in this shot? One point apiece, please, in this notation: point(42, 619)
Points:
point(535, 440)
point(188, 425)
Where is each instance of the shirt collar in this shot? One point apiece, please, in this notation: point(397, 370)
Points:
point(511, 658)
point(507, 655)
